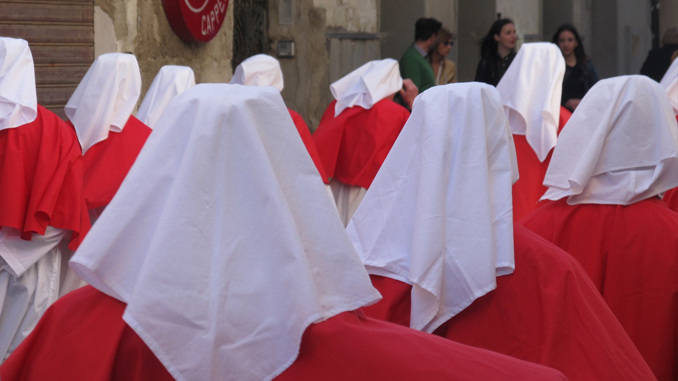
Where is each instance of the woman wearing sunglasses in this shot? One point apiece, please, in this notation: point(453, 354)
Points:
point(444, 69)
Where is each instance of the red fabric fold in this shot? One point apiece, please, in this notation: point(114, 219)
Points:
point(671, 199)
point(546, 312)
point(354, 145)
point(529, 188)
point(106, 163)
point(41, 171)
point(83, 337)
point(306, 137)
point(631, 254)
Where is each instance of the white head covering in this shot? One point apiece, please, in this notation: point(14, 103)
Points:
point(670, 83)
point(259, 70)
point(531, 90)
point(170, 81)
point(105, 98)
point(439, 215)
point(367, 85)
point(619, 147)
point(222, 241)
point(18, 101)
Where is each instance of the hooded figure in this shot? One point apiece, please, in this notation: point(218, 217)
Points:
point(670, 83)
point(41, 203)
point(358, 129)
point(617, 154)
point(264, 70)
point(435, 231)
point(100, 110)
point(170, 81)
point(531, 91)
point(209, 264)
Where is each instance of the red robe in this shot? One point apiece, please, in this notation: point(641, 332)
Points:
point(83, 337)
point(107, 162)
point(353, 145)
point(529, 188)
point(671, 199)
point(306, 137)
point(41, 172)
point(546, 312)
point(631, 254)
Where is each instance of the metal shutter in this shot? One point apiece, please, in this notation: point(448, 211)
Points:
point(61, 37)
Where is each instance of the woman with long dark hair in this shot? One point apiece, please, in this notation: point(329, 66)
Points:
point(580, 75)
point(496, 52)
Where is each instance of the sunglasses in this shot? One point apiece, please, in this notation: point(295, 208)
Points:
point(448, 43)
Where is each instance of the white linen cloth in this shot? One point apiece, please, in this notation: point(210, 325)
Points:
point(259, 70)
point(105, 98)
point(170, 81)
point(347, 198)
point(531, 90)
point(18, 100)
point(439, 213)
point(619, 147)
point(29, 282)
point(367, 85)
point(222, 241)
point(670, 83)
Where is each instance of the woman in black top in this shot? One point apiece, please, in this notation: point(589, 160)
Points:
point(580, 75)
point(496, 52)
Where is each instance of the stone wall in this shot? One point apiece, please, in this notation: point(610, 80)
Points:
point(141, 28)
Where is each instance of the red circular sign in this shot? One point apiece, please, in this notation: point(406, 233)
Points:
point(195, 20)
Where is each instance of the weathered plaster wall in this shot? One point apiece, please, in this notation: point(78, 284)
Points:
point(527, 14)
point(141, 28)
point(350, 15)
point(305, 75)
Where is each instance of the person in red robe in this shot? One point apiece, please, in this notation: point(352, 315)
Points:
point(531, 91)
point(670, 83)
point(41, 198)
point(194, 282)
point(359, 128)
point(604, 179)
point(100, 111)
point(264, 70)
point(435, 232)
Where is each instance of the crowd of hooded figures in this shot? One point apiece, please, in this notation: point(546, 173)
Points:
point(477, 232)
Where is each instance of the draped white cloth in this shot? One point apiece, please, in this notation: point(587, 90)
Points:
point(439, 214)
point(170, 81)
point(105, 98)
point(531, 90)
point(367, 85)
point(222, 241)
point(18, 100)
point(670, 83)
point(259, 70)
point(619, 147)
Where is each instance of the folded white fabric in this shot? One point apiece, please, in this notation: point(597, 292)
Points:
point(105, 98)
point(670, 83)
point(170, 81)
point(531, 90)
point(439, 213)
point(619, 147)
point(18, 100)
point(222, 241)
point(259, 70)
point(367, 85)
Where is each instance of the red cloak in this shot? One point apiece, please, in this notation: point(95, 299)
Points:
point(306, 137)
point(107, 162)
point(41, 171)
point(529, 188)
point(546, 312)
point(83, 337)
point(631, 254)
point(353, 145)
point(671, 199)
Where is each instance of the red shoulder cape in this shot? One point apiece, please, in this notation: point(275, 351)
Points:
point(671, 199)
point(107, 162)
point(631, 254)
point(353, 145)
point(546, 312)
point(41, 171)
point(306, 137)
point(83, 337)
point(529, 188)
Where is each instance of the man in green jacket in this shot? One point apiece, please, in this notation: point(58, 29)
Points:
point(413, 63)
